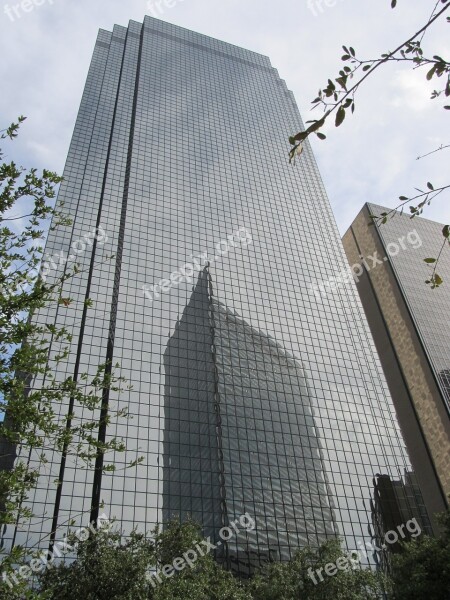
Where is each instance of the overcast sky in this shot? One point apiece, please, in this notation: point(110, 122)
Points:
point(371, 157)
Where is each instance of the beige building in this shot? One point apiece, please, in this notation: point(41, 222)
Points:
point(410, 325)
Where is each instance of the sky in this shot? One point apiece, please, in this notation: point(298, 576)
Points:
point(46, 47)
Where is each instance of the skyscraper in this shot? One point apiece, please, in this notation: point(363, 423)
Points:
point(251, 392)
point(409, 322)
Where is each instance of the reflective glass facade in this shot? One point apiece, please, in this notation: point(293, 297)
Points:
point(251, 393)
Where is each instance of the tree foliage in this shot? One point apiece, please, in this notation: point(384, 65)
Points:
point(106, 566)
point(338, 98)
point(36, 401)
point(110, 567)
point(299, 578)
point(422, 569)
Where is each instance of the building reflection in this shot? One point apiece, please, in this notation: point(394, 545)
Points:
point(444, 376)
point(239, 436)
point(191, 454)
point(395, 503)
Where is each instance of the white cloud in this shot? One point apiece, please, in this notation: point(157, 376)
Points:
point(370, 158)
point(411, 90)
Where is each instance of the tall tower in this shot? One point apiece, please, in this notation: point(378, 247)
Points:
point(251, 392)
point(409, 322)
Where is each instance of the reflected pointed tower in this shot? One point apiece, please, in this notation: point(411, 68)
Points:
point(239, 436)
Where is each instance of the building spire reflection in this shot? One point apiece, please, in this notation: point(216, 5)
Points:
point(239, 435)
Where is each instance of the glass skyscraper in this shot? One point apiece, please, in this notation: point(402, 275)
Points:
point(251, 391)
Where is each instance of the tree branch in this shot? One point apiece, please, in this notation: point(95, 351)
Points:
point(301, 136)
point(441, 147)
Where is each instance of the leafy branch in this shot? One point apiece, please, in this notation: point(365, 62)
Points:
point(416, 210)
point(337, 97)
point(43, 408)
point(435, 279)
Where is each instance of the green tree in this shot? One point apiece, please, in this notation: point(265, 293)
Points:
point(36, 402)
point(305, 576)
point(422, 569)
point(338, 98)
point(205, 580)
point(110, 567)
point(107, 566)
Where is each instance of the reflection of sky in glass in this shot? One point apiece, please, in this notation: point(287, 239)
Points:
point(182, 139)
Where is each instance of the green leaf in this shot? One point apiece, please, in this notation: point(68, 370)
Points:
point(315, 126)
point(342, 81)
point(430, 186)
point(300, 136)
point(446, 231)
point(429, 260)
point(393, 3)
point(340, 116)
point(321, 136)
point(65, 301)
point(431, 73)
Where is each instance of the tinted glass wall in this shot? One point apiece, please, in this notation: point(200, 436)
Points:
point(251, 392)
